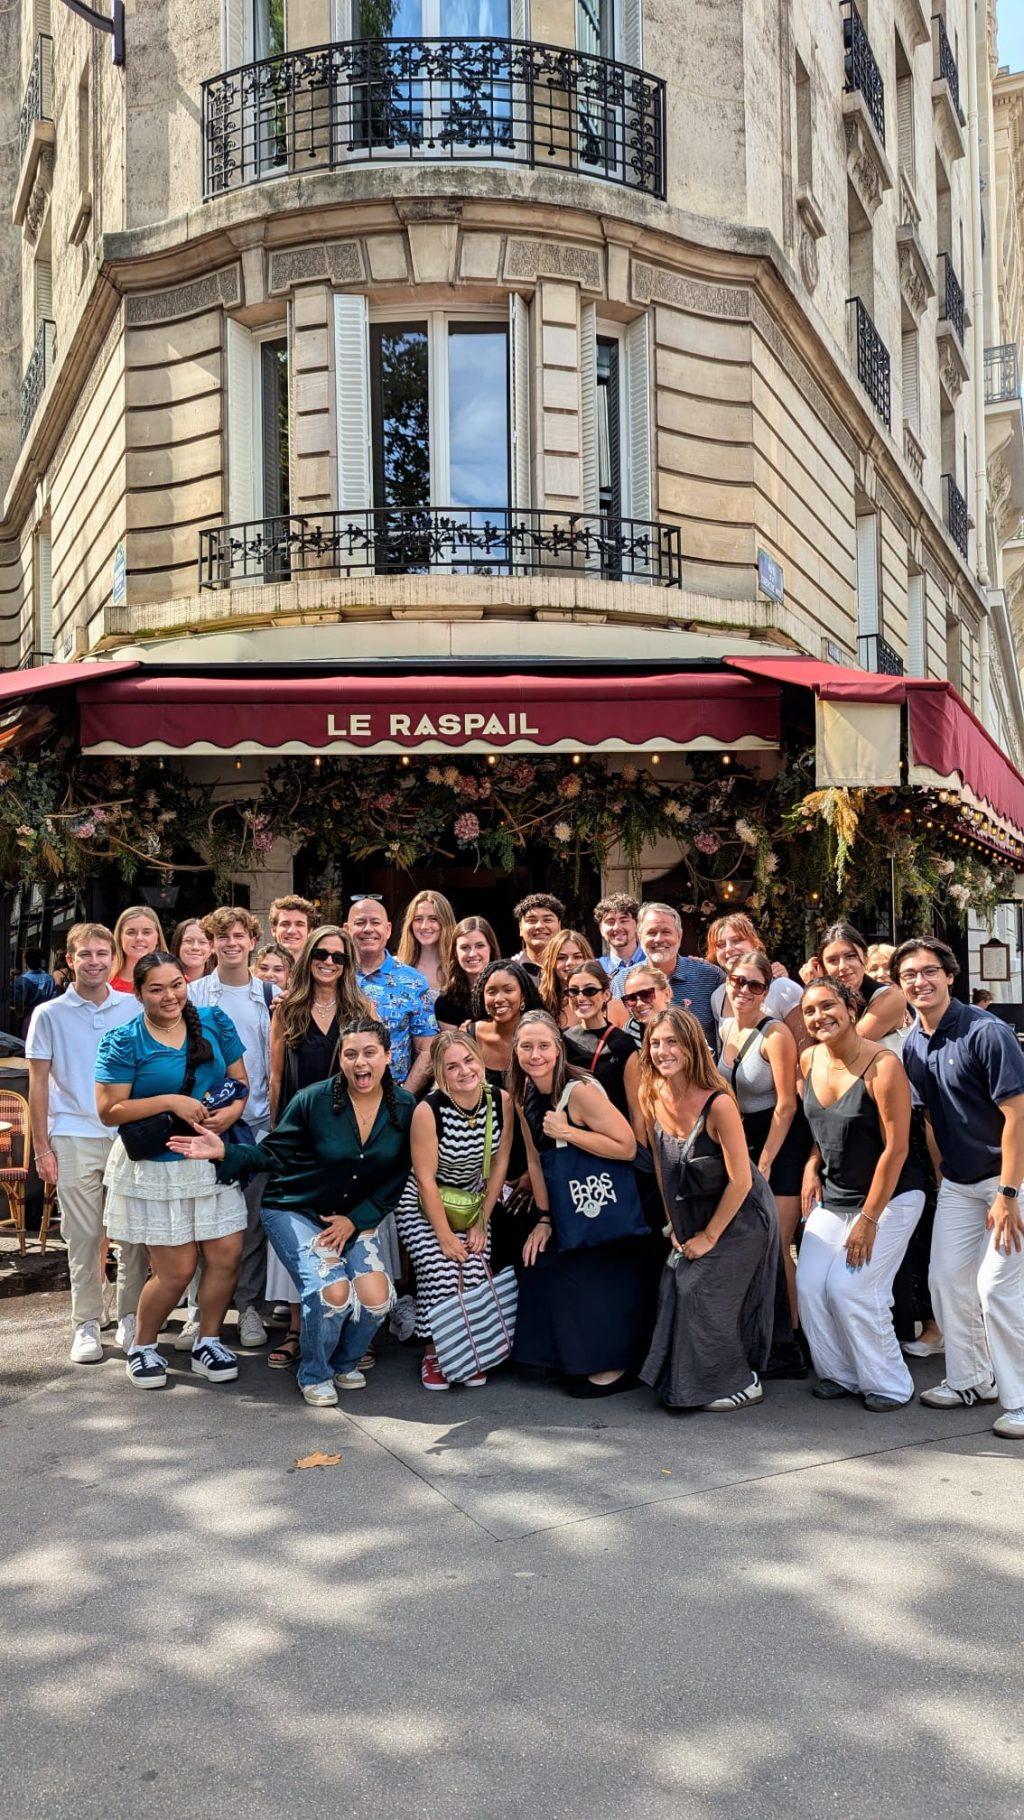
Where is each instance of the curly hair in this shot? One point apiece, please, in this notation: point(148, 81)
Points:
point(845, 994)
point(340, 1097)
point(197, 1046)
point(527, 987)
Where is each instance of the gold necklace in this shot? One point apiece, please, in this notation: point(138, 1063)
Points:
point(470, 1117)
point(152, 1028)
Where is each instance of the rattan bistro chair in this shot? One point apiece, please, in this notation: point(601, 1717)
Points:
point(15, 1159)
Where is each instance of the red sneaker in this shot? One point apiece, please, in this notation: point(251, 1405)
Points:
point(431, 1375)
point(476, 1383)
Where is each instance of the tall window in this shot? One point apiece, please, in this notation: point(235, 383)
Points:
point(42, 595)
point(861, 252)
point(868, 590)
point(905, 141)
point(609, 443)
point(258, 444)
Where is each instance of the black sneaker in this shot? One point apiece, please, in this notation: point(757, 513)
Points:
point(212, 1360)
point(146, 1368)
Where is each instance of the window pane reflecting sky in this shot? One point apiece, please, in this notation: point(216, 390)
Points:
point(478, 417)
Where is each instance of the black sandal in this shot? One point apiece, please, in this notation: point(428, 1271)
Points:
point(286, 1356)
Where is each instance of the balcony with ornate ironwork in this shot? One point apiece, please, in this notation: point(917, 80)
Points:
point(949, 115)
point(956, 514)
point(875, 653)
point(951, 298)
point(450, 100)
point(455, 540)
point(860, 69)
point(37, 373)
point(871, 357)
point(1002, 374)
point(35, 124)
point(1004, 438)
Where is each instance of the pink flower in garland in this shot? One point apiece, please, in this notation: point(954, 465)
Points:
point(467, 829)
point(706, 843)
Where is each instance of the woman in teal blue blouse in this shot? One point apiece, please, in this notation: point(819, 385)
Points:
point(338, 1162)
point(174, 1206)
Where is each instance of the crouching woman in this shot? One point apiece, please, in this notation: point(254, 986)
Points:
point(337, 1164)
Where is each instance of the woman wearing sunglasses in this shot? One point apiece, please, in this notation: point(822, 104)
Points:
point(322, 997)
point(646, 992)
point(593, 1042)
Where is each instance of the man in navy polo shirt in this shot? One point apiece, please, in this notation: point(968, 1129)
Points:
point(660, 930)
point(967, 1068)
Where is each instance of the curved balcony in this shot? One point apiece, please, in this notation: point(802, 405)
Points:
point(475, 100)
point(456, 540)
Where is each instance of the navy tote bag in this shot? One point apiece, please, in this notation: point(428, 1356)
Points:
point(593, 1201)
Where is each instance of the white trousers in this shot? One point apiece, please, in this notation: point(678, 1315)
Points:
point(80, 1165)
point(846, 1314)
point(977, 1294)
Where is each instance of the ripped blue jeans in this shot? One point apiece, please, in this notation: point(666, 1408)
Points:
point(334, 1338)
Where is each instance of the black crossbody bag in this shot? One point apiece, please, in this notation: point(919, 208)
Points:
point(145, 1138)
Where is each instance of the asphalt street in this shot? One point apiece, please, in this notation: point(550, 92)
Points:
point(498, 1603)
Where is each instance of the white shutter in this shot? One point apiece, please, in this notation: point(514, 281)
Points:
point(911, 381)
point(588, 406)
point(867, 577)
point(352, 394)
point(631, 34)
point(905, 126)
point(242, 454)
point(916, 662)
point(44, 595)
point(519, 378)
point(518, 22)
point(638, 398)
point(235, 36)
point(41, 16)
point(43, 281)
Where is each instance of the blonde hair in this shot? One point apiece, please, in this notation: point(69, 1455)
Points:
point(698, 1064)
point(409, 948)
point(654, 974)
point(79, 933)
point(439, 1049)
point(549, 985)
point(129, 916)
point(293, 1009)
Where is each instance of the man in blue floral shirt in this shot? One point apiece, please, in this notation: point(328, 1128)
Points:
point(400, 994)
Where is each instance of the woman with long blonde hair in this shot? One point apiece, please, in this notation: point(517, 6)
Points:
point(428, 930)
point(716, 1303)
point(564, 953)
point(137, 931)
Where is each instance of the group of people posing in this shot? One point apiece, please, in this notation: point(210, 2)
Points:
point(704, 1173)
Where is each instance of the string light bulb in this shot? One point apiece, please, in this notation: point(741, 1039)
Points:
point(655, 758)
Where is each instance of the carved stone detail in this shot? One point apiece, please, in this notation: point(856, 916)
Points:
point(917, 281)
point(808, 257)
point(333, 262)
point(40, 193)
point(528, 260)
point(952, 364)
point(222, 289)
point(868, 167)
point(913, 452)
point(652, 284)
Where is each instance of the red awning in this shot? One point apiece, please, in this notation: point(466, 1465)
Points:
point(15, 685)
point(245, 713)
point(947, 746)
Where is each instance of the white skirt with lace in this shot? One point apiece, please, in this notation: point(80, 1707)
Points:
point(173, 1203)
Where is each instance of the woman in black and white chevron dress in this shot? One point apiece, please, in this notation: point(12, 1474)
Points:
point(461, 1138)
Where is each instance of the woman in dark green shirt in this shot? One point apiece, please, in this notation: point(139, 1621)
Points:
point(337, 1163)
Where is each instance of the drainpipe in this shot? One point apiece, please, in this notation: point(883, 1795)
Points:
point(977, 49)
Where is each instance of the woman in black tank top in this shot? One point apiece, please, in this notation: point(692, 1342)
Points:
point(863, 1196)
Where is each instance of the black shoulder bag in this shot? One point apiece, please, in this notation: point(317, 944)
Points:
point(147, 1138)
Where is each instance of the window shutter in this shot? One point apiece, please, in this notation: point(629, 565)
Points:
point(41, 16)
point(518, 22)
point(867, 576)
point(905, 126)
point(519, 399)
point(352, 392)
point(44, 594)
point(638, 394)
point(43, 276)
point(631, 34)
point(916, 662)
point(911, 381)
point(588, 404)
point(241, 454)
point(235, 35)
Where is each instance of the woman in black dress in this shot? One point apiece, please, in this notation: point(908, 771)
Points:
point(322, 997)
point(583, 1313)
point(716, 1303)
point(593, 1042)
point(474, 946)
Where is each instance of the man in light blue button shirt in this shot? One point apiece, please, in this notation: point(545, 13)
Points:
point(616, 917)
point(400, 994)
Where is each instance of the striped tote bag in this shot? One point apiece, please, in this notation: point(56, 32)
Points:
point(473, 1329)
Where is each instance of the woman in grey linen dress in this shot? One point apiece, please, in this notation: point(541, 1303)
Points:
point(716, 1302)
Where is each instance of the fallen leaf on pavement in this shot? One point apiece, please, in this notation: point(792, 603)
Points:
point(319, 1459)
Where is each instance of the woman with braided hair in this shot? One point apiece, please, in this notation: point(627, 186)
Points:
point(338, 1161)
point(173, 1059)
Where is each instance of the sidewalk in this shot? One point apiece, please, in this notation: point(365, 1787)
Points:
point(32, 1272)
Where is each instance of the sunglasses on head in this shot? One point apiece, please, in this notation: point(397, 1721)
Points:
point(645, 996)
point(585, 991)
point(334, 957)
point(366, 897)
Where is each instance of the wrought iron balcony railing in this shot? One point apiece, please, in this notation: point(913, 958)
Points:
point(873, 364)
point(36, 374)
point(457, 540)
point(953, 298)
point(1002, 374)
point(37, 103)
point(376, 100)
point(956, 514)
point(947, 71)
point(859, 66)
point(875, 653)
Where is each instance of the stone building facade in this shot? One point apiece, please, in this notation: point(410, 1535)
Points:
point(706, 279)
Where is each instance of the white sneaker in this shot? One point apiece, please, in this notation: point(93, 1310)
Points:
point(125, 1335)
point(944, 1396)
point(1010, 1425)
point(86, 1347)
point(350, 1380)
point(252, 1334)
point(189, 1334)
point(754, 1393)
point(924, 1349)
point(320, 1395)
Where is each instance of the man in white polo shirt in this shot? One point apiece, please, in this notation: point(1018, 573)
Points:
point(71, 1146)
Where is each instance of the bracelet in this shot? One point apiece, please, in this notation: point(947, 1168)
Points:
point(870, 1221)
point(41, 1155)
point(543, 1219)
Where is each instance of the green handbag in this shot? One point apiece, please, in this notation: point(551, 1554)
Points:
point(464, 1206)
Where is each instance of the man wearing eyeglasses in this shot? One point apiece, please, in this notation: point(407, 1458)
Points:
point(967, 1068)
point(660, 930)
point(400, 994)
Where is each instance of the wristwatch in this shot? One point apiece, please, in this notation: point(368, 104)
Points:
point(1010, 1193)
